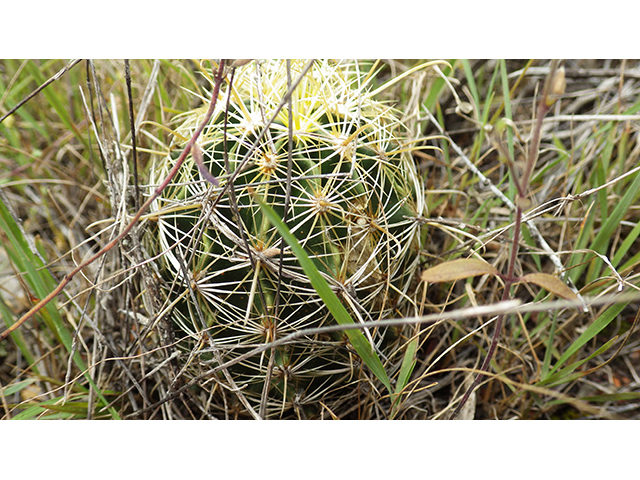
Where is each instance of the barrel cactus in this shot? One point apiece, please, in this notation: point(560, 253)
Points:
point(354, 201)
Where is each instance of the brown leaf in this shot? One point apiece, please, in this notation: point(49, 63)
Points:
point(239, 62)
point(457, 270)
point(550, 283)
point(196, 152)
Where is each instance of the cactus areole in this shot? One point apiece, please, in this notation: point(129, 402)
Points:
point(353, 200)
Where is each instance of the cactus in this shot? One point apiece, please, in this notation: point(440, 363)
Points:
point(353, 200)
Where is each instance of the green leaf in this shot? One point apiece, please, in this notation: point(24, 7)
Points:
point(337, 309)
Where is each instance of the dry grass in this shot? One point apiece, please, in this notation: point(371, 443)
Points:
point(71, 197)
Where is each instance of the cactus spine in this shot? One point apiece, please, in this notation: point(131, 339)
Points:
point(353, 200)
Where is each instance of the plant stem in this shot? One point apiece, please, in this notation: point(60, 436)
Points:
point(506, 293)
point(127, 76)
point(552, 88)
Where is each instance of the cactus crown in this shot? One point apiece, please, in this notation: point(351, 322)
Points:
point(348, 190)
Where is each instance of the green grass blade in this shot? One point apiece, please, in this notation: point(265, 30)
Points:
point(38, 280)
point(471, 81)
point(53, 409)
point(408, 364)
point(631, 263)
point(438, 86)
point(42, 283)
point(16, 387)
point(596, 327)
point(546, 363)
point(613, 397)
point(17, 336)
point(486, 108)
point(55, 101)
point(626, 245)
point(335, 306)
point(506, 95)
point(566, 374)
point(612, 222)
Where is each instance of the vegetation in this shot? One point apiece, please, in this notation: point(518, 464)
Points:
point(510, 262)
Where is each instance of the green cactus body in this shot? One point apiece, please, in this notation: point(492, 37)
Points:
point(355, 204)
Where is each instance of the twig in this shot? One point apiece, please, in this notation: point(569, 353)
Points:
point(578, 72)
point(592, 118)
point(147, 96)
point(127, 75)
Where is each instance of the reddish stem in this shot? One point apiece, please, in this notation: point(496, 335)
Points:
point(498, 328)
point(522, 184)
